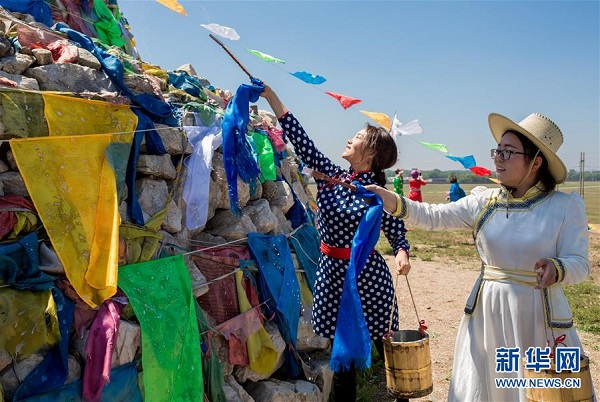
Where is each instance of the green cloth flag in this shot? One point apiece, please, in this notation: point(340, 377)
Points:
point(266, 57)
point(160, 293)
point(437, 147)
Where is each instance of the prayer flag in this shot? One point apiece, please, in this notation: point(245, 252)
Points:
point(467, 161)
point(410, 128)
point(67, 115)
point(222, 31)
point(345, 101)
point(160, 293)
point(76, 199)
point(481, 171)
point(266, 57)
point(174, 6)
point(380, 118)
point(437, 147)
point(395, 129)
point(309, 78)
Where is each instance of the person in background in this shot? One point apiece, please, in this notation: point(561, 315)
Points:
point(415, 182)
point(340, 211)
point(532, 240)
point(399, 182)
point(456, 192)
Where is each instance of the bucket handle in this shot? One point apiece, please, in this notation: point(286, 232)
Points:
point(422, 326)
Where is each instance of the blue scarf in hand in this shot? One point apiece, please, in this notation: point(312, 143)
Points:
point(238, 157)
point(352, 341)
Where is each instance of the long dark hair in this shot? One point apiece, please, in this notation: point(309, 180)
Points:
point(531, 149)
point(382, 146)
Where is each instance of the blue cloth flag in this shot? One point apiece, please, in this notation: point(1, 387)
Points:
point(39, 9)
point(309, 78)
point(352, 339)
point(278, 285)
point(238, 154)
point(467, 161)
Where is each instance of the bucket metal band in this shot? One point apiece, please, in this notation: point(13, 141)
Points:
point(410, 371)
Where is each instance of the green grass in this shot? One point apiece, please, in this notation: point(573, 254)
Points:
point(584, 299)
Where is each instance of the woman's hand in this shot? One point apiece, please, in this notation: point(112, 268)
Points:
point(277, 106)
point(546, 273)
point(402, 262)
point(388, 197)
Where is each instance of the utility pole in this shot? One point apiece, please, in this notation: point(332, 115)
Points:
point(581, 174)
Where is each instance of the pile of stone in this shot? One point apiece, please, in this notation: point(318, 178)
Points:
point(34, 68)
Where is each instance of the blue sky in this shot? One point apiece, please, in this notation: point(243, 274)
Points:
point(447, 63)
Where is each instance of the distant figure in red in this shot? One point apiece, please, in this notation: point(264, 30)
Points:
point(415, 182)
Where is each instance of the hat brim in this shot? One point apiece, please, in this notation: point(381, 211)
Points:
point(500, 125)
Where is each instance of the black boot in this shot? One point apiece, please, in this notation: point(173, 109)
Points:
point(344, 385)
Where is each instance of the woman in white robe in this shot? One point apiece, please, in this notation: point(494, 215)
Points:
point(531, 240)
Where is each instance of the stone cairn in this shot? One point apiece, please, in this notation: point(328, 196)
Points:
point(33, 69)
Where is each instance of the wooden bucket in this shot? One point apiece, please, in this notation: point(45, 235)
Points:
point(583, 393)
point(408, 364)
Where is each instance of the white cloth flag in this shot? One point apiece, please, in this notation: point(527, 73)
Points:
point(395, 129)
point(410, 128)
point(197, 179)
point(222, 31)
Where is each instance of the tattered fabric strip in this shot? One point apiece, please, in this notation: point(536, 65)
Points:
point(122, 387)
point(238, 156)
point(173, 5)
point(160, 292)
point(197, 178)
point(309, 78)
point(76, 199)
point(467, 161)
point(19, 265)
point(278, 283)
point(344, 100)
point(29, 321)
point(67, 115)
point(262, 354)
point(99, 349)
point(52, 372)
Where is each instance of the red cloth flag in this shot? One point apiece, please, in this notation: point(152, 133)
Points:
point(480, 171)
point(345, 101)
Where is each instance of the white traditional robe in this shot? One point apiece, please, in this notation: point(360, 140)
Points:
point(509, 312)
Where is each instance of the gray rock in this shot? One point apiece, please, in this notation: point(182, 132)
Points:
point(70, 78)
point(16, 63)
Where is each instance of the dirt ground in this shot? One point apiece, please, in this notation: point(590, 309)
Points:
point(440, 298)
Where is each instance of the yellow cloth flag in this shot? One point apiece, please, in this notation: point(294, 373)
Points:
point(29, 321)
point(73, 186)
point(261, 351)
point(66, 115)
point(380, 118)
point(174, 6)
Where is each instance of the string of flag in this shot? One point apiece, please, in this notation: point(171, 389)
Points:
point(393, 126)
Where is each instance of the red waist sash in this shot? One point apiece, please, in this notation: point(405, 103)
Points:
point(337, 252)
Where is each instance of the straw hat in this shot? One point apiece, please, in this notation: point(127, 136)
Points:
point(541, 131)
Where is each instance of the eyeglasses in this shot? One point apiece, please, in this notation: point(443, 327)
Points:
point(504, 154)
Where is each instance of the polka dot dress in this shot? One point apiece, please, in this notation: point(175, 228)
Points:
point(339, 215)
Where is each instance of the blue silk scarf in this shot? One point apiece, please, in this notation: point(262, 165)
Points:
point(352, 341)
point(238, 156)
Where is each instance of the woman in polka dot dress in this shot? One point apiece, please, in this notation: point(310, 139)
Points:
point(340, 211)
